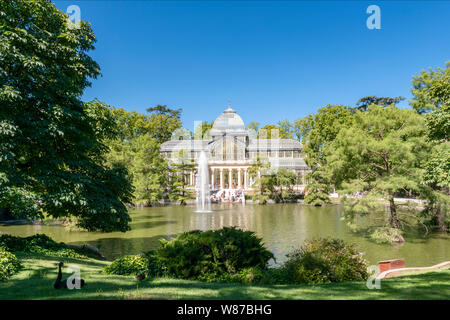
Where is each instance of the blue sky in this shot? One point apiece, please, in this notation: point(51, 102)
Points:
point(272, 60)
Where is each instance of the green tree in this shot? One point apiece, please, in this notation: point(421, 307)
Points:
point(431, 89)
point(318, 132)
point(51, 153)
point(164, 122)
point(253, 126)
point(179, 178)
point(202, 130)
point(363, 103)
point(431, 92)
point(286, 129)
point(266, 132)
point(378, 155)
point(137, 149)
point(285, 179)
point(261, 182)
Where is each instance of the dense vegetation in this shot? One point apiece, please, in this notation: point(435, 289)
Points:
point(325, 260)
point(9, 264)
point(63, 158)
point(41, 244)
point(237, 256)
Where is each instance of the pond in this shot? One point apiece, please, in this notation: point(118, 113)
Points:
point(282, 227)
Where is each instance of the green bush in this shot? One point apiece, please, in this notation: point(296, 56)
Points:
point(128, 265)
point(41, 244)
point(135, 265)
point(210, 255)
point(9, 264)
point(323, 261)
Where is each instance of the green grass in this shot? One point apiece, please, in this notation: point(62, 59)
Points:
point(35, 281)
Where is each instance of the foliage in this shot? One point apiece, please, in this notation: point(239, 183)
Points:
point(365, 102)
point(164, 121)
point(179, 182)
point(318, 189)
point(9, 264)
point(41, 244)
point(129, 265)
point(323, 261)
point(378, 155)
point(386, 235)
point(271, 131)
point(286, 129)
point(50, 147)
point(202, 130)
point(137, 148)
point(197, 254)
point(431, 89)
point(318, 132)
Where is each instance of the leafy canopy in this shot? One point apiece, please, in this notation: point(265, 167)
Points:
point(51, 153)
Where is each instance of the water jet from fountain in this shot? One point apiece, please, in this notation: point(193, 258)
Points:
point(202, 184)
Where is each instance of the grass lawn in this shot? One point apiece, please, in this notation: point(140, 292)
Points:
point(35, 281)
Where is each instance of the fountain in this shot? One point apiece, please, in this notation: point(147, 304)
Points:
point(202, 184)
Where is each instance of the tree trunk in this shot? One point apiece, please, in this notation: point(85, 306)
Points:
point(441, 218)
point(393, 209)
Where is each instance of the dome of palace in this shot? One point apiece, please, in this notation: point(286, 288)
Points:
point(228, 122)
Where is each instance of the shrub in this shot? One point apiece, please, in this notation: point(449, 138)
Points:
point(386, 235)
point(128, 265)
point(212, 254)
point(41, 244)
point(323, 261)
point(9, 264)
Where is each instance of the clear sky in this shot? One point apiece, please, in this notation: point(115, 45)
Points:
point(273, 60)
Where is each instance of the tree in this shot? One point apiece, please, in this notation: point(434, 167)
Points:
point(164, 122)
point(431, 89)
point(378, 155)
point(431, 92)
point(202, 130)
point(261, 183)
point(148, 169)
point(286, 129)
point(285, 179)
point(318, 132)
point(267, 131)
point(363, 103)
point(253, 126)
point(179, 180)
point(51, 153)
point(137, 149)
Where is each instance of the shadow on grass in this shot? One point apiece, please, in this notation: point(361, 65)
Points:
point(114, 247)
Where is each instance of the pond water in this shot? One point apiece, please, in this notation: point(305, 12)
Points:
point(282, 227)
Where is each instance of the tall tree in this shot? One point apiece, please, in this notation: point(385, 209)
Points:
point(287, 129)
point(431, 89)
point(50, 151)
point(253, 126)
point(202, 130)
point(431, 92)
point(318, 131)
point(164, 122)
point(363, 103)
point(378, 155)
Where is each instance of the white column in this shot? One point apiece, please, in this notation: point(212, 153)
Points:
point(212, 178)
point(230, 177)
point(245, 178)
point(221, 178)
point(239, 178)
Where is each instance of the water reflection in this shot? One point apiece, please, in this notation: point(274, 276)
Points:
point(282, 227)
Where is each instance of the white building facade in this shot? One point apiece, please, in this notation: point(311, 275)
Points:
point(231, 150)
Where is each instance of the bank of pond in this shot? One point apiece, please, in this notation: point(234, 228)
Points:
point(224, 264)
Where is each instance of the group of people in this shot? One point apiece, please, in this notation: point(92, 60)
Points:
point(227, 195)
